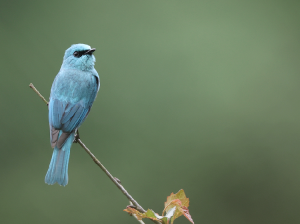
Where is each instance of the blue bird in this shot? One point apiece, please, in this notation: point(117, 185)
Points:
point(73, 92)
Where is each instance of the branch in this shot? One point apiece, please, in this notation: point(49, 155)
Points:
point(140, 221)
point(38, 93)
point(113, 179)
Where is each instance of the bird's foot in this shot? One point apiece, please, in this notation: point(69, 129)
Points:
point(77, 137)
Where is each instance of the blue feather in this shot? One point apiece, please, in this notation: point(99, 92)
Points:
point(58, 168)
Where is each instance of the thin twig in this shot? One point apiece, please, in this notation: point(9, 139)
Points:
point(130, 198)
point(113, 179)
point(37, 92)
point(140, 221)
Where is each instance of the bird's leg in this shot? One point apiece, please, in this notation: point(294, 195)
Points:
point(77, 137)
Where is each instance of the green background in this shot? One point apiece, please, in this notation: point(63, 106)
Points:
point(195, 95)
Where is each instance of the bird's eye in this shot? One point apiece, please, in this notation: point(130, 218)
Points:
point(76, 54)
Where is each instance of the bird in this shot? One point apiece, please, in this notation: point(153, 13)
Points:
point(73, 92)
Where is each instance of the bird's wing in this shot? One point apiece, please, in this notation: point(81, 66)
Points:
point(67, 116)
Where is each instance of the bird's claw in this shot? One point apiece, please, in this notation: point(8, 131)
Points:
point(76, 137)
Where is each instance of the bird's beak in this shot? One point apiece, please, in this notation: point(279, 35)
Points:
point(90, 52)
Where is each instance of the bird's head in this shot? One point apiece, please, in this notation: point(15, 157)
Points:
point(79, 56)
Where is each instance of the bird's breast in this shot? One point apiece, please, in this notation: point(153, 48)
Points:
point(73, 86)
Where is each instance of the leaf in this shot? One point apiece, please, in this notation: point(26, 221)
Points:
point(148, 214)
point(186, 213)
point(175, 206)
point(180, 202)
point(170, 213)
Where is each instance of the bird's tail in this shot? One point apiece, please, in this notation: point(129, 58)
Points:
point(58, 168)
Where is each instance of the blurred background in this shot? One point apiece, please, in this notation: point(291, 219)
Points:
point(195, 95)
